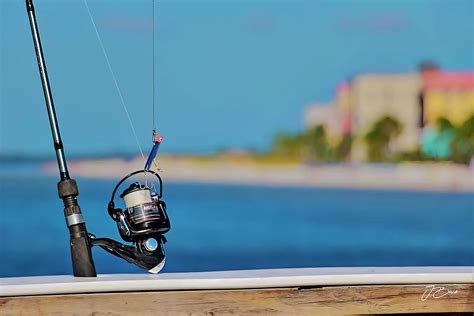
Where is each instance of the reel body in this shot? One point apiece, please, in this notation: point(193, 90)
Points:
point(145, 214)
point(143, 222)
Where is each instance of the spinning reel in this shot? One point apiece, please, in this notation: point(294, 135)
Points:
point(143, 222)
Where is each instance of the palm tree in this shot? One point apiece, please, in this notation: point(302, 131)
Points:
point(463, 142)
point(379, 137)
point(288, 145)
point(318, 146)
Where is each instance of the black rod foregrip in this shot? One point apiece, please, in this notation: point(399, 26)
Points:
point(81, 255)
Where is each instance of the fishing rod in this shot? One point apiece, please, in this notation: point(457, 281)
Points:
point(143, 222)
point(81, 254)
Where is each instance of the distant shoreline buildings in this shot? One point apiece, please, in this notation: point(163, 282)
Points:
point(417, 100)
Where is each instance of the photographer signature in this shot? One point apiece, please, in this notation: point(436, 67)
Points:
point(434, 291)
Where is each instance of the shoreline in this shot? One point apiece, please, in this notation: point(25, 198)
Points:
point(246, 171)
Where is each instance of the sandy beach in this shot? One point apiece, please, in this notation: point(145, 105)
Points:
point(418, 176)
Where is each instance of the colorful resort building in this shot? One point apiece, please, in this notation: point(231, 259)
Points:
point(447, 95)
point(416, 100)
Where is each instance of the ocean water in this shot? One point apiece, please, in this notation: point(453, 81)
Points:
point(226, 227)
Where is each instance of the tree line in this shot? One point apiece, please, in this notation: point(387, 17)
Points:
point(314, 144)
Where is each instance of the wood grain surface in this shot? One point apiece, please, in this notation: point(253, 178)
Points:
point(333, 300)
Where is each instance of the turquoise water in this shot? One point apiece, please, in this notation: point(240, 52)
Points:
point(224, 227)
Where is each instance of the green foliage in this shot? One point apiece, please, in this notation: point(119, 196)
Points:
point(289, 145)
point(456, 142)
point(414, 155)
point(436, 143)
point(311, 145)
point(462, 145)
point(317, 144)
point(443, 124)
point(378, 138)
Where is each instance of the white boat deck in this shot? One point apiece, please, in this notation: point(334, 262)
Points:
point(244, 279)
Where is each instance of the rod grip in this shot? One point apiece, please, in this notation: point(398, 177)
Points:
point(81, 254)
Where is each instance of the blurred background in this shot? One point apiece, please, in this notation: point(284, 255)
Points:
point(297, 133)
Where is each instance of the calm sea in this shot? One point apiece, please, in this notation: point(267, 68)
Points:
point(225, 227)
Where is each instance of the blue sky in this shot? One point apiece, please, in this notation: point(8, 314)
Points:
point(228, 73)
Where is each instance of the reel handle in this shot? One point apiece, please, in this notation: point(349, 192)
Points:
point(150, 260)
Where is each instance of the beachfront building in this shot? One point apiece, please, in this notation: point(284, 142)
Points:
point(369, 97)
point(375, 96)
point(417, 100)
point(334, 116)
point(325, 114)
point(447, 95)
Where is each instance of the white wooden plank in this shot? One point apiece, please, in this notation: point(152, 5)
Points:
point(244, 279)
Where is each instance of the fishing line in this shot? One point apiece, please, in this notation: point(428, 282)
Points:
point(154, 84)
point(114, 78)
point(153, 68)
